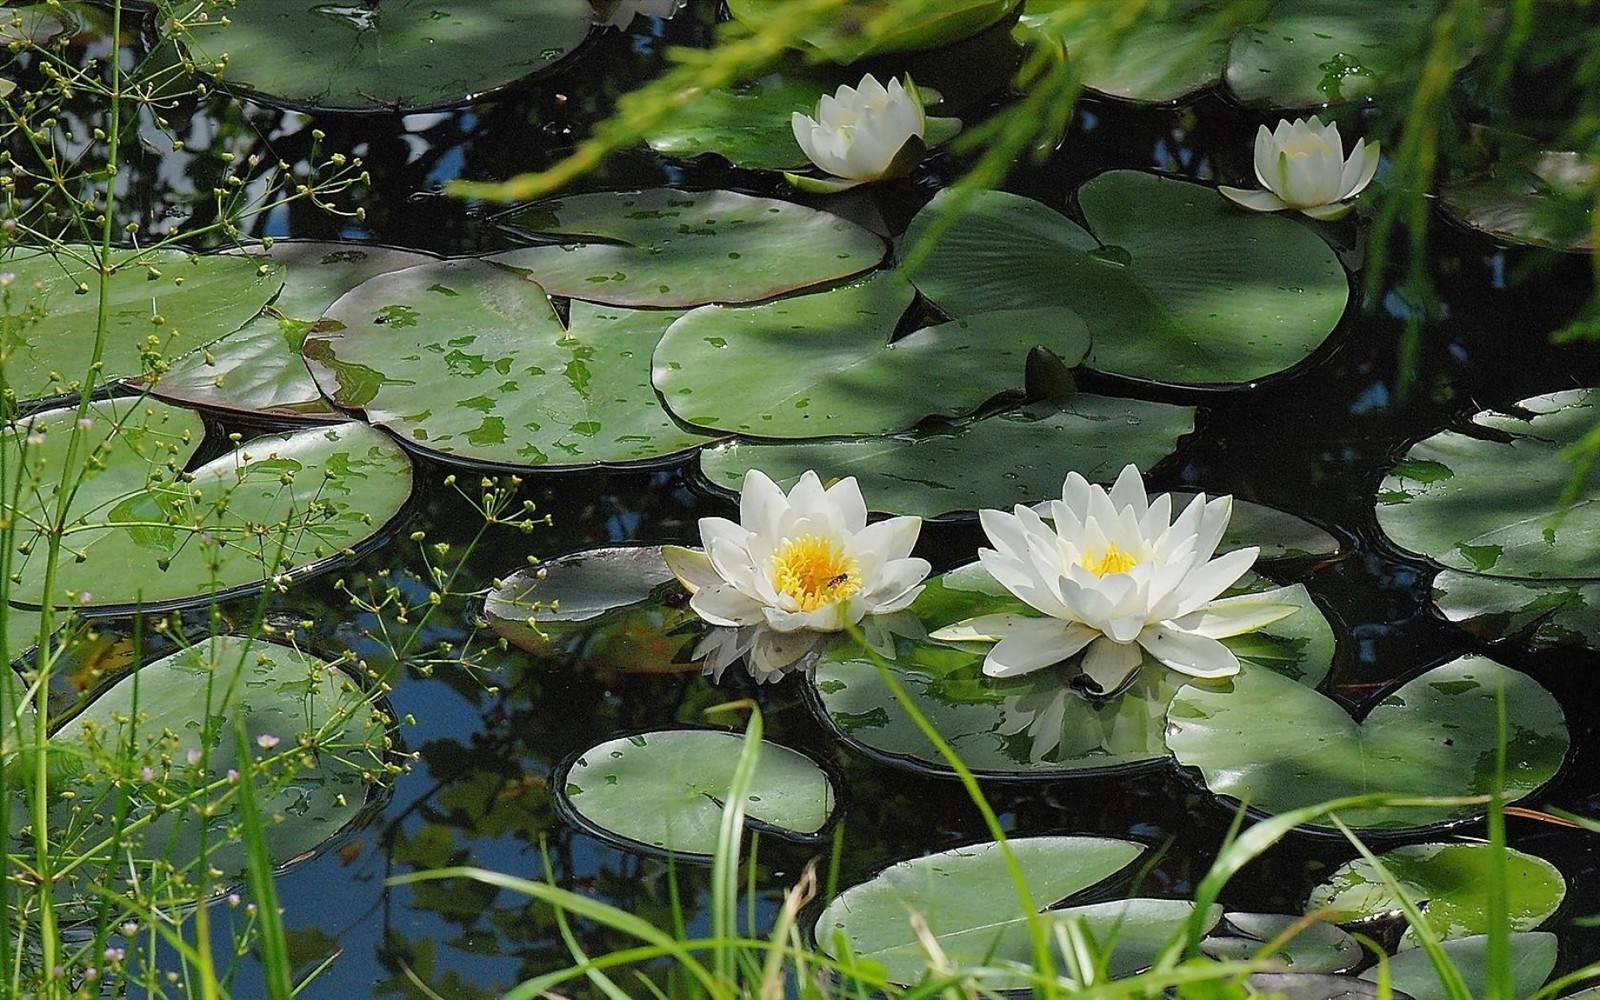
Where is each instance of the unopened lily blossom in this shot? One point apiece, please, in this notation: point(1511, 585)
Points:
point(862, 133)
point(1114, 577)
point(1303, 166)
point(806, 560)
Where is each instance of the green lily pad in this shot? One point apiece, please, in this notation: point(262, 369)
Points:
point(1175, 285)
point(1037, 724)
point(258, 369)
point(1541, 613)
point(21, 628)
point(579, 586)
point(1538, 197)
point(1533, 957)
point(667, 789)
point(321, 730)
point(1309, 53)
point(183, 301)
point(1451, 883)
point(969, 902)
point(400, 55)
point(469, 359)
point(1167, 55)
point(998, 461)
point(676, 249)
point(1314, 949)
point(842, 40)
point(1451, 499)
point(823, 364)
point(1277, 745)
point(139, 530)
point(1278, 534)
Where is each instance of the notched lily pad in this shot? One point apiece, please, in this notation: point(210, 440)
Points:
point(1037, 725)
point(666, 789)
point(1533, 957)
point(183, 747)
point(398, 55)
point(843, 40)
point(1314, 948)
point(1278, 745)
point(184, 301)
point(1014, 457)
point(1451, 883)
point(966, 898)
point(672, 249)
point(1175, 286)
point(469, 360)
point(1541, 613)
point(141, 530)
point(258, 368)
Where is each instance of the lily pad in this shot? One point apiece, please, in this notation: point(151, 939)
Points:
point(1309, 53)
point(1541, 613)
point(666, 789)
point(1317, 986)
point(1533, 957)
point(1168, 54)
point(1278, 534)
point(140, 530)
point(1544, 198)
point(1451, 498)
point(182, 300)
point(258, 369)
point(843, 40)
point(1451, 883)
point(1277, 745)
point(320, 731)
point(676, 249)
point(998, 461)
point(824, 364)
point(400, 55)
point(1036, 725)
point(1315, 948)
point(21, 631)
point(469, 360)
point(1176, 286)
point(969, 902)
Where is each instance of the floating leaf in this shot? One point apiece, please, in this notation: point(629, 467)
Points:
point(1451, 883)
point(1542, 613)
point(182, 300)
point(1279, 534)
point(970, 904)
point(1314, 948)
point(1541, 198)
point(132, 745)
point(999, 461)
point(1176, 286)
point(843, 40)
point(676, 249)
point(400, 55)
point(1533, 956)
point(468, 359)
point(1278, 745)
point(1451, 499)
point(1037, 724)
point(258, 369)
point(667, 789)
point(1316, 986)
point(823, 364)
point(1168, 54)
point(140, 530)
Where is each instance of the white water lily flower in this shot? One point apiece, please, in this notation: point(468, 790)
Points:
point(808, 560)
point(1115, 577)
point(627, 10)
point(862, 133)
point(1303, 167)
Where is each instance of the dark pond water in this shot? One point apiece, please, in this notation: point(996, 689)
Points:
point(488, 736)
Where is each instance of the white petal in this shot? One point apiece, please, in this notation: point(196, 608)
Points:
point(1031, 647)
point(692, 567)
point(1328, 213)
point(1265, 159)
point(1107, 664)
point(725, 605)
point(898, 584)
point(1369, 168)
point(1256, 201)
point(732, 563)
point(1206, 582)
point(1187, 653)
point(809, 500)
point(761, 505)
point(804, 126)
point(847, 504)
point(1128, 491)
point(1235, 616)
point(890, 539)
point(1158, 517)
point(773, 653)
point(1024, 583)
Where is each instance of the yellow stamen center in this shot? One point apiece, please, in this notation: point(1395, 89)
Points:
point(815, 571)
point(1112, 560)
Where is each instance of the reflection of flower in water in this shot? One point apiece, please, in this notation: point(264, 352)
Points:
point(1064, 721)
point(627, 10)
point(769, 655)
